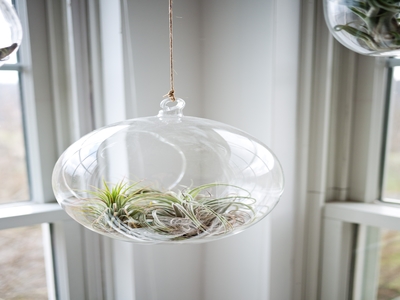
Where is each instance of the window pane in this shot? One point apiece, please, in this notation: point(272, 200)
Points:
point(389, 275)
point(22, 269)
point(391, 187)
point(377, 267)
point(13, 175)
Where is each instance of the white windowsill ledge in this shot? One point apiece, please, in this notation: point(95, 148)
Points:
point(370, 214)
point(27, 214)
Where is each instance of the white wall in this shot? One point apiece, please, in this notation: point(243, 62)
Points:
point(166, 272)
point(235, 62)
point(237, 91)
point(250, 70)
point(283, 142)
point(150, 45)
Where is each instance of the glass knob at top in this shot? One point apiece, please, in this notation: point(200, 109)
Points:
point(364, 26)
point(10, 31)
point(168, 178)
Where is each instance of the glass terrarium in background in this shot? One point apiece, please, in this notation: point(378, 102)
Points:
point(10, 31)
point(366, 27)
point(168, 178)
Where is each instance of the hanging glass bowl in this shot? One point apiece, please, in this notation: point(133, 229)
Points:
point(364, 26)
point(168, 178)
point(10, 31)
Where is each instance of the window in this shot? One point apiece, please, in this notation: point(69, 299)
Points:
point(360, 240)
point(391, 174)
point(342, 114)
point(22, 269)
point(379, 267)
point(377, 253)
point(389, 265)
point(22, 263)
point(13, 162)
point(40, 244)
point(377, 256)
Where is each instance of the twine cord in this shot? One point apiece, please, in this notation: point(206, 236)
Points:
point(171, 93)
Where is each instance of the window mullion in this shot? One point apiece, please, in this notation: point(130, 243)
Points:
point(12, 67)
point(77, 48)
point(336, 258)
point(317, 120)
point(69, 266)
point(59, 74)
point(37, 100)
point(370, 214)
point(72, 64)
point(366, 272)
point(367, 129)
point(340, 135)
point(26, 214)
point(49, 262)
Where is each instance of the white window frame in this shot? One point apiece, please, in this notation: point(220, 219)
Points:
point(58, 110)
point(337, 244)
point(347, 225)
point(341, 112)
point(391, 64)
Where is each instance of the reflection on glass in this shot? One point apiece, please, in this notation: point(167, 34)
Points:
point(22, 269)
point(377, 265)
point(389, 270)
point(13, 175)
point(391, 188)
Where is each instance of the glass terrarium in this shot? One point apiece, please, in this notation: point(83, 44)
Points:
point(168, 178)
point(366, 27)
point(10, 31)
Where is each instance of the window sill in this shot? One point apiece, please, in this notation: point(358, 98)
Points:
point(371, 214)
point(30, 214)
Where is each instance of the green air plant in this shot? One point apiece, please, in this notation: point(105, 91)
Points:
point(147, 214)
point(5, 52)
point(378, 27)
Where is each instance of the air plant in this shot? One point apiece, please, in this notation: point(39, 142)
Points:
point(5, 52)
point(147, 214)
point(377, 28)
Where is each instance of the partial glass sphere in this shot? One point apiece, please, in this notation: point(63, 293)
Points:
point(366, 27)
point(168, 178)
point(10, 31)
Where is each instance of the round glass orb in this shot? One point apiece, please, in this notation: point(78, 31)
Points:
point(10, 31)
point(366, 27)
point(168, 178)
